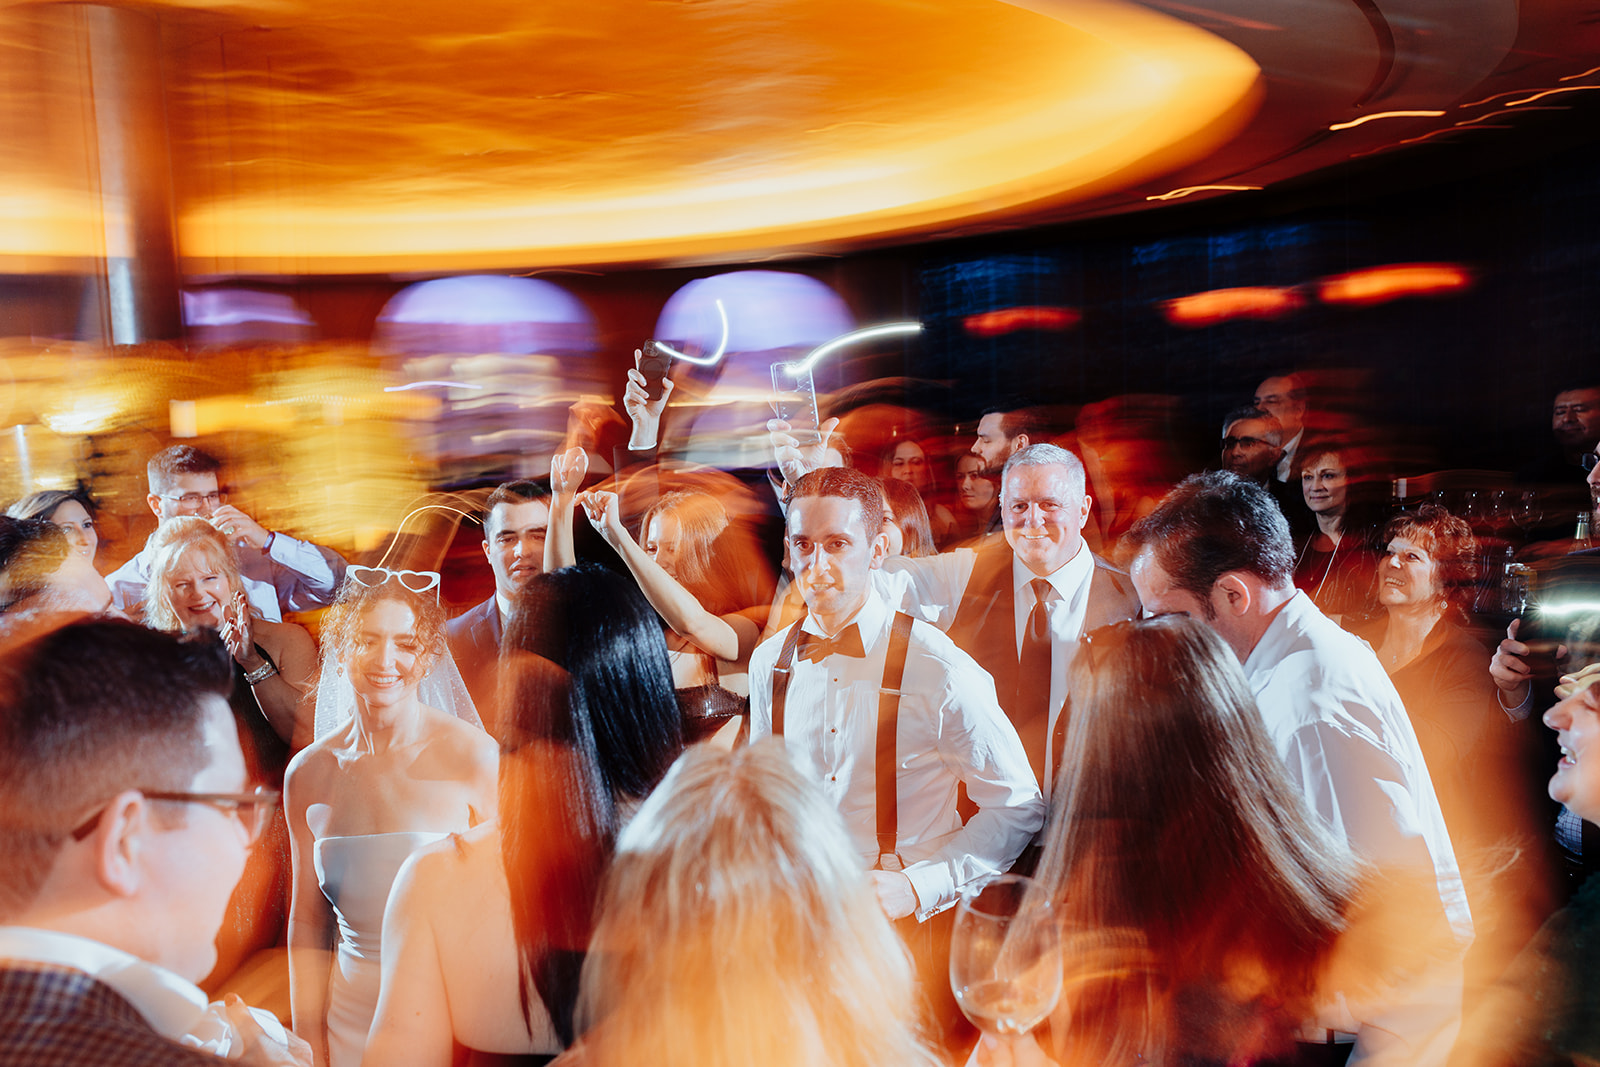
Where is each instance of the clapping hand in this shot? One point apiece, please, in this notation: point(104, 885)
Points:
point(604, 512)
point(237, 632)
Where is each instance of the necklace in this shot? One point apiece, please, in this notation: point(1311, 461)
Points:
point(1316, 596)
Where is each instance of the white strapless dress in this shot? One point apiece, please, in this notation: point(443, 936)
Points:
point(355, 874)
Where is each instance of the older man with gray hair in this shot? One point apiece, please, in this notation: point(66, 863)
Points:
point(1019, 607)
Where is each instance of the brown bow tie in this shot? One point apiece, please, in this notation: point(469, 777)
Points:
point(848, 643)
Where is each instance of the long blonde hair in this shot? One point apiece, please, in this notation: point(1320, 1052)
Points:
point(738, 927)
point(169, 546)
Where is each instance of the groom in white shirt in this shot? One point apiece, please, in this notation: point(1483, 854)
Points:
point(125, 820)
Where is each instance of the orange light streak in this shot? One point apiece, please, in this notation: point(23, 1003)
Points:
point(1364, 119)
point(1220, 305)
point(1009, 320)
point(1381, 284)
point(1176, 194)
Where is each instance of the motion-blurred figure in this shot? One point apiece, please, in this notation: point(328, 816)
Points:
point(979, 496)
point(907, 461)
point(485, 932)
point(280, 573)
point(72, 511)
point(1218, 549)
point(41, 573)
point(127, 818)
point(1019, 605)
point(736, 929)
point(1252, 444)
point(1283, 396)
point(516, 519)
point(1337, 554)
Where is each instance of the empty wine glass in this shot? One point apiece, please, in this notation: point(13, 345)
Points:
point(1529, 512)
point(1005, 956)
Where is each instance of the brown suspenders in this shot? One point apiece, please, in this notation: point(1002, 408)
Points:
point(894, 669)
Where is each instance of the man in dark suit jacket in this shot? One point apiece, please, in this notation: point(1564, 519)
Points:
point(516, 518)
point(128, 815)
point(1019, 607)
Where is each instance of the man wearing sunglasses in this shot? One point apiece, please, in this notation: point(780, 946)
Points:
point(280, 573)
point(125, 820)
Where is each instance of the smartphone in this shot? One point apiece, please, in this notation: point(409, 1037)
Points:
point(794, 399)
point(655, 364)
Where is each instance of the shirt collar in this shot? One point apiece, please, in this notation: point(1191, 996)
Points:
point(1279, 634)
point(1066, 579)
point(871, 619)
point(170, 1004)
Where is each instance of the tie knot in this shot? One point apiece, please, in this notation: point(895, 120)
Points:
point(816, 648)
point(1041, 588)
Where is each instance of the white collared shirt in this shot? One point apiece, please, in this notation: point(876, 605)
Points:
point(951, 730)
point(174, 1007)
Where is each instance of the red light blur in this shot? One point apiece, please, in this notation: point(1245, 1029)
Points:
point(1377, 285)
point(1220, 305)
point(1010, 320)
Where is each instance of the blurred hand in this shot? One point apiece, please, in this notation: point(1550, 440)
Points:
point(1577, 683)
point(796, 458)
point(896, 896)
point(567, 470)
point(1509, 667)
point(1009, 1051)
point(604, 512)
point(236, 526)
point(237, 633)
point(645, 413)
point(260, 1049)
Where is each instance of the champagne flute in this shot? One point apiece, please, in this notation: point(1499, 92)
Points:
point(1005, 956)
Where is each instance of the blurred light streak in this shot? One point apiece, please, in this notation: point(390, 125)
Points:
point(1379, 284)
point(1008, 320)
point(773, 309)
point(1585, 74)
point(1244, 302)
point(890, 329)
point(1364, 119)
point(1550, 92)
point(703, 361)
point(1176, 194)
point(424, 385)
point(413, 513)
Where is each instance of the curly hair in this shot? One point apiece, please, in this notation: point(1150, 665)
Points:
point(172, 543)
point(344, 617)
point(1449, 540)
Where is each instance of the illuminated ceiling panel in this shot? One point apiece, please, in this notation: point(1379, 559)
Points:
point(410, 134)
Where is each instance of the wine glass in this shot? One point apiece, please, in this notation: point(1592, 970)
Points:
point(1529, 511)
point(1005, 956)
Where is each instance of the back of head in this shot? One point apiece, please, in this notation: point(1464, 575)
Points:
point(1213, 523)
point(87, 711)
point(31, 552)
point(590, 720)
point(737, 927)
point(177, 460)
point(182, 538)
point(1179, 835)
point(845, 483)
point(911, 515)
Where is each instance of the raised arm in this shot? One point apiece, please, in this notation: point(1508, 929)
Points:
point(728, 637)
point(311, 921)
point(566, 476)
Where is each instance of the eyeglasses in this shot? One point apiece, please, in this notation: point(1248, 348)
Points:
point(253, 809)
point(1240, 442)
point(197, 500)
point(372, 577)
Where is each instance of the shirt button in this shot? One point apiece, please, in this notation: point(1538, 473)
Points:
point(833, 777)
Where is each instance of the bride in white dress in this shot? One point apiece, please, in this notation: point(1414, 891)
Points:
point(388, 773)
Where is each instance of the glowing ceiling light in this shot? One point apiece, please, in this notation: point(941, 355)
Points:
point(1220, 305)
point(1176, 194)
point(1380, 284)
point(891, 329)
point(1364, 119)
point(1008, 320)
point(703, 361)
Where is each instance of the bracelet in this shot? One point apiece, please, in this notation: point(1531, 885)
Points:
point(263, 672)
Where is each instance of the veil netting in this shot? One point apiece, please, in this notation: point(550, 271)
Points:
point(441, 688)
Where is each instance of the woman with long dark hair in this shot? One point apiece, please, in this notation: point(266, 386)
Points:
point(485, 933)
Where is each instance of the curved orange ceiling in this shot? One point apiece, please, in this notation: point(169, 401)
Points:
point(411, 134)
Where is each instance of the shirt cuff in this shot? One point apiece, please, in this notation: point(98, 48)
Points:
point(934, 888)
point(1522, 710)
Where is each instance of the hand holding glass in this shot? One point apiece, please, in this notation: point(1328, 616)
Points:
point(1005, 956)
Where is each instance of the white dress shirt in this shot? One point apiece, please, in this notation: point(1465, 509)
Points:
point(951, 730)
point(174, 1007)
point(1349, 746)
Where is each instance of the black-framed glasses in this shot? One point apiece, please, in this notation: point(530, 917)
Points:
point(253, 809)
point(1588, 460)
point(197, 500)
point(1239, 442)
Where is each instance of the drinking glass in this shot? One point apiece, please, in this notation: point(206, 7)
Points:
point(1005, 956)
point(1529, 511)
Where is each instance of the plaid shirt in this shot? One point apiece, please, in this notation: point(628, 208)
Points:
point(56, 1017)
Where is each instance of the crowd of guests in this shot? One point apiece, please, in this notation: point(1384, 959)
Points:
point(667, 794)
